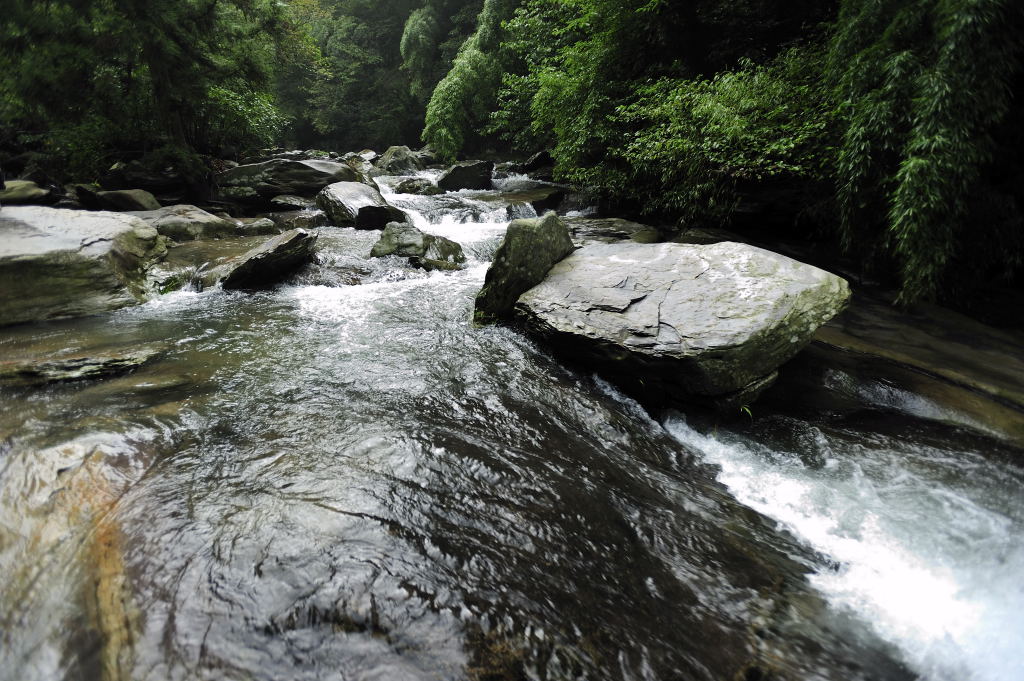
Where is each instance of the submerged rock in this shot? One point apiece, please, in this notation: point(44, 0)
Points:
point(18, 192)
point(186, 223)
point(261, 182)
point(63, 263)
point(265, 265)
point(467, 175)
point(353, 203)
point(423, 250)
point(531, 247)
point(610, 230)
point(399, 161)
point(255, 226)
point(75, 367)
point(675, 322)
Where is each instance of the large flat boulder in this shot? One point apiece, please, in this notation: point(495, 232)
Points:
point(423, 250)
point(360, 205)
point(467, 175)
point(530, 248)
point(58, 263)
point(265, 265)
point(261, 182)
point(185, 222)
point(678, 322)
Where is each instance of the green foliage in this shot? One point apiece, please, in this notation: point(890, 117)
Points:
point(926, 86)
point(692, 140)
point(461, 103)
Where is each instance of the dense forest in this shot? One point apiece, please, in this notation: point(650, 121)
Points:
point(889, 126)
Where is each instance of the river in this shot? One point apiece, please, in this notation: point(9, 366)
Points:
point(343, 479)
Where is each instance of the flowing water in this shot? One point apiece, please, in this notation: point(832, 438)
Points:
point(343, 479)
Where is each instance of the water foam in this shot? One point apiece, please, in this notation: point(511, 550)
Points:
point(934, 569)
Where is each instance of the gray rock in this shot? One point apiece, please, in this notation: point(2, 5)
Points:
point(127, 200)
point(298, 219)
point(19, 192)
point(399, 161)
point(417, 186)
point(186, 223)
point(255, 226)
point(353, 203)
point(467, 175)
point(265, 265)
point(290, 202)
point(531, 247)
point(678, 322)
point(424, 250)
point(260, 182)
point(64, 263)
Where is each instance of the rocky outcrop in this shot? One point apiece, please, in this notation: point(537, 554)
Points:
point(467, 175)
point(127, 200)
point(531, 247)
point(676, 322)
point(186, 223)
point(399, 161)
point(423, 250)
point(265, 265)
point(21, 192)
point(417, 185)
point(62, 263)
point(353, 203)
point(261, 182)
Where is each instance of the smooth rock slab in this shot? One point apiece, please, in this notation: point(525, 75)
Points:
point(353, 203)
point(672, 321)
point(67, 263)
point(265, 265)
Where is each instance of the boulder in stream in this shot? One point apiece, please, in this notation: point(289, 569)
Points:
point(58, 263)
point(423, 250)
point(186, 223)
point(353, 203)
point(265, 265)
point(467, 175)
point(677, 322)
point(417, 185)
point(531, 247)
point(127, 200)
point(18, 192)
point(399, 161)
point(261, 182)
point(298, 219)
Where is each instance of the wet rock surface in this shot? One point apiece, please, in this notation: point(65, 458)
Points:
point(673, 321)
point(423, 250)
point(266, 265)
point(62, 263)
point(18, 192)
point(467, 175)
point(399, 160)
point(353, 203)
point(127, 200)
point(64, 367)
point(530, 248)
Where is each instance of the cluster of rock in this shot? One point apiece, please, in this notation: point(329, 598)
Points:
point(668, 322)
